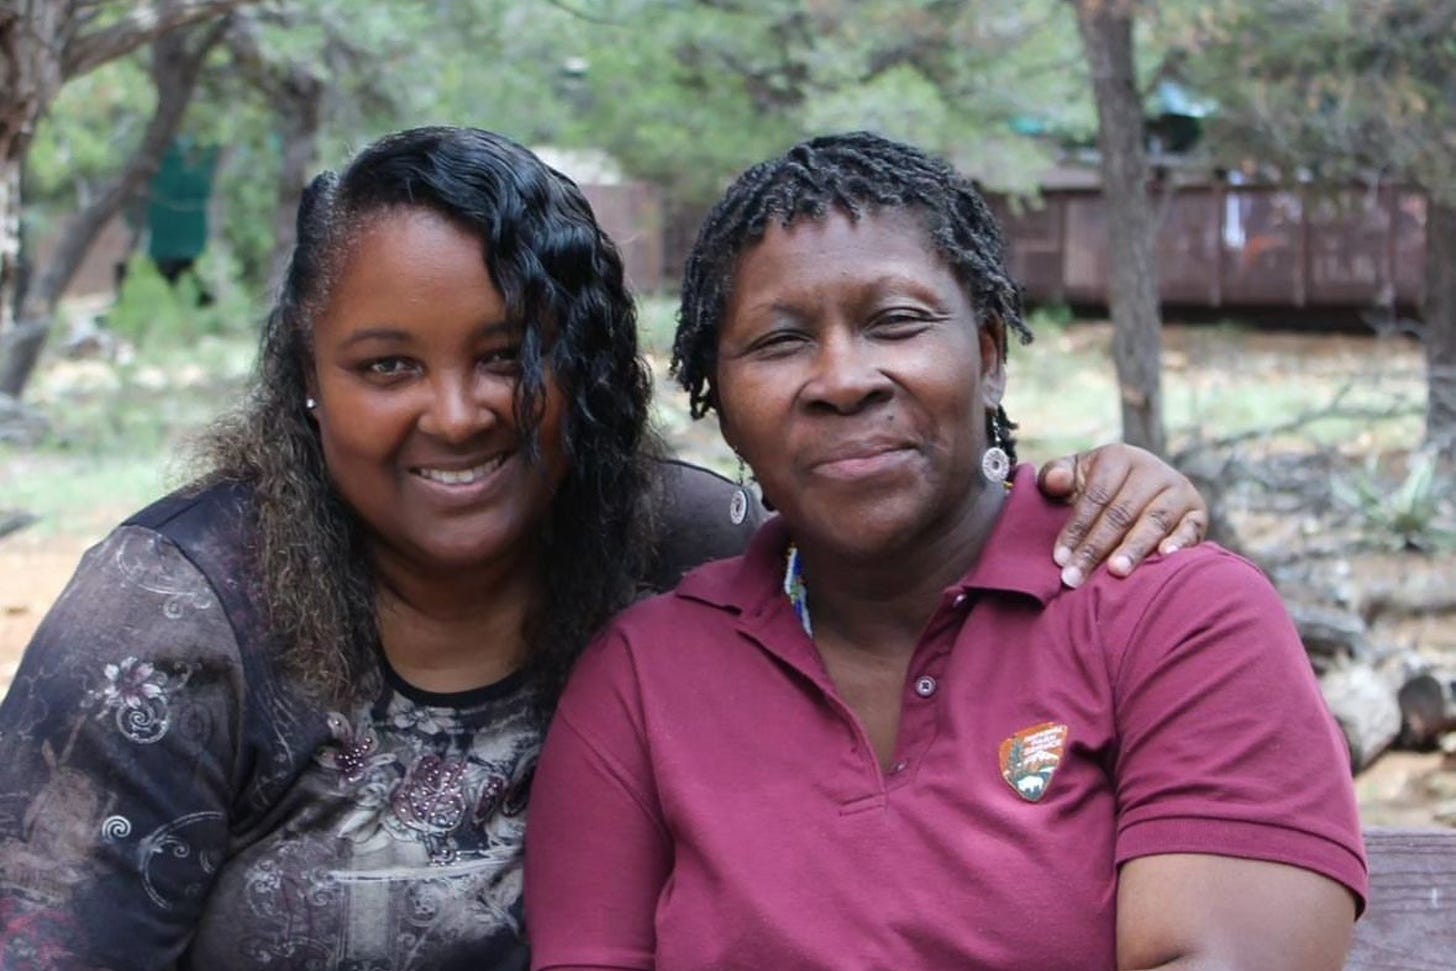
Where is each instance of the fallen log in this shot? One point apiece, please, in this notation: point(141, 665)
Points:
point(1331, 636)
point(1363, 699)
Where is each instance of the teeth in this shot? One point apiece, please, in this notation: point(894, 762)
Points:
point(462, 476)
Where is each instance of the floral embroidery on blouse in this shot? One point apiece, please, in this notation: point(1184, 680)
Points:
point(137, 693)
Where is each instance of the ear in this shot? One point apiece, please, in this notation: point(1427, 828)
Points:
point(993, 363)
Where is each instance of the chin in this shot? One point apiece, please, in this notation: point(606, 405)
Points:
point(449, 553)
point(868, 536)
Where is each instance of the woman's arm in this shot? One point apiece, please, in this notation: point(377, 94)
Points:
point(119, 735)
point(1238, 835)
point(1212, 913)
point(1127, 502)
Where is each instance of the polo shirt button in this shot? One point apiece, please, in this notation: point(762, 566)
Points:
point(960, 599)
point(925, 686)
point(898, 767)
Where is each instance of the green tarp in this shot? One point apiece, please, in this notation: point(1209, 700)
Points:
point(177, 210)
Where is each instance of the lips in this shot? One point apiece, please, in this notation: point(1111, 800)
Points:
point(858, 460)
point(458, 476)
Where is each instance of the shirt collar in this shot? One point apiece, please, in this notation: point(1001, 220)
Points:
point(1018, 556)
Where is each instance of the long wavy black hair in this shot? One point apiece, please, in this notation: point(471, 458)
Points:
point(855, 173)
point(562, 281)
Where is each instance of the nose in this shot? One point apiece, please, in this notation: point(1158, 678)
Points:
point(458, 408)
point(847, 377)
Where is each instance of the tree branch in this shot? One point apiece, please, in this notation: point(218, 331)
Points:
point(176, 66)
point(144, 23)
point(1335, 408)
point(580, 14)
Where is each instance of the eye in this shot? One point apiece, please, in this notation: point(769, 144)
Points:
point(899, 323)
point(388, 367)
point(777, 343)
point(502, 360)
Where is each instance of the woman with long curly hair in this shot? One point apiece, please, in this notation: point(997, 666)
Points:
point(289, 716)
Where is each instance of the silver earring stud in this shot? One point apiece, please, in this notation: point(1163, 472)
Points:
point(310, 403)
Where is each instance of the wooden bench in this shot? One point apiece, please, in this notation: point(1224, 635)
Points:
point(1410, 924)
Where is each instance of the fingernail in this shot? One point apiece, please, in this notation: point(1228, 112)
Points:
point(1169, 549)
point(1121, 565)
point(1062, 555)
point(1072, 577)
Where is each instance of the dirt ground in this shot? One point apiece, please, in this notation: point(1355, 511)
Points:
point(33, 570)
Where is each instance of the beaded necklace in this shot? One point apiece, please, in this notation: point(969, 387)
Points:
point(798, 593)
point(795, 590)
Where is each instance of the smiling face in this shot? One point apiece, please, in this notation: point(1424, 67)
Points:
point(853, 378)
point(415, 373)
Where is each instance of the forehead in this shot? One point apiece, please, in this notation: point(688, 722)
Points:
point(840, 252)
point(408, 266)
point(401, 249)
point(413, 235)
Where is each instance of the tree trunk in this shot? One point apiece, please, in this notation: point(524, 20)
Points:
point(301, 118)
point(41, 47)
point(31, 35)
point(177, 60)
point(298, 92)
point(1438, 332)
point(9, 242)
point(1106, 27)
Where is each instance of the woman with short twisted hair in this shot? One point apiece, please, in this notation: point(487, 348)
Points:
point(887, 736)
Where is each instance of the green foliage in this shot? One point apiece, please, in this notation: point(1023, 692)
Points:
point(206, 303)
point(1050, 319)
point(117, 429)
point(686, 94)
point(683, 93)
point(1409, 513)
point(93, 124)
point(656, 324)
point(1341, 89)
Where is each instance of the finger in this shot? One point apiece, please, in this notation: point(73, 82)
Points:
point(1057, 479)
point(1102, 476)
point(1119, 521)
point(1158, 522)
point(1191, 530)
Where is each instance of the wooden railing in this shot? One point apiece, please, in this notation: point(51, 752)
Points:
point(1410, 923)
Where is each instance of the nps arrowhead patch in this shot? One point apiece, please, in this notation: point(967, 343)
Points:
point(1030, 758)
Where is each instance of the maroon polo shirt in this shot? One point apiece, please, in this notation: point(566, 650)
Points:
point(706, 800)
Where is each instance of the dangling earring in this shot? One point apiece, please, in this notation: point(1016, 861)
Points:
point(995, 463)
point(738, 505)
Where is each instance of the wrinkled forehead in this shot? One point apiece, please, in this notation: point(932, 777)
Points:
point(914, 224)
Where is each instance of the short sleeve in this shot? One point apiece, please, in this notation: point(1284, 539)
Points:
point(700, 516)
point(597, 850)
point(119, 733)
point(1226, 745)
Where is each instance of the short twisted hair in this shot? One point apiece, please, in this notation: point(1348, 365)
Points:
point(854, 174)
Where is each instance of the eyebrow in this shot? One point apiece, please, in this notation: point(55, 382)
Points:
point(869, 285)
point(399, 335)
